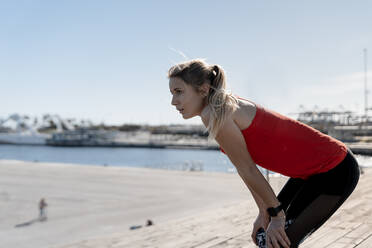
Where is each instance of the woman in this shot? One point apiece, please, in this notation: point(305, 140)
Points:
point(322, 172)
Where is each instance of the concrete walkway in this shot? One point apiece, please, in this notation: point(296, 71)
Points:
point(231, 226)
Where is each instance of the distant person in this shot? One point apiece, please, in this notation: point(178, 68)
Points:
point(322, 171)
point(149, 223)
point(42, 209)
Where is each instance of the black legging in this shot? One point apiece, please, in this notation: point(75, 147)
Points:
point(309, 203)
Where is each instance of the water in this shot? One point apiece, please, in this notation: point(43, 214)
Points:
point(173, 159)
point(364, 161)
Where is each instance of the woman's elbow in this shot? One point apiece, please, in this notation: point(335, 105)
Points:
point(246, 169)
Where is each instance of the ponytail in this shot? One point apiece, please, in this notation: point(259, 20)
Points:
point(221, 102)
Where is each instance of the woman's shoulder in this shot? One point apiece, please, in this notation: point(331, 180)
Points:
point(245, 113)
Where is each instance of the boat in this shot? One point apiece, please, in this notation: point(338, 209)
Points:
point(24, 130)
point(24, 138)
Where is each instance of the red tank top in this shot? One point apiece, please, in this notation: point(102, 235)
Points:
point(289, 147)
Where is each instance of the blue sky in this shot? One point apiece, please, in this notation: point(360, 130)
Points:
point(107, 60)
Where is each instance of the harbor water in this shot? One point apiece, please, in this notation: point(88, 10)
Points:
point(170, 159)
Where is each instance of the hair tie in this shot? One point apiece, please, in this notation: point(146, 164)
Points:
point(216, 69)
point(213, 73)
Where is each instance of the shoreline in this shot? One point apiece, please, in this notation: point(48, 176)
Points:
point(359, 148)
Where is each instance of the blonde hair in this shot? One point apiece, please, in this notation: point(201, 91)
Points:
point(222, 103)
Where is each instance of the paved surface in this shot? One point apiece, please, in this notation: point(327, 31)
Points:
point(231, 226)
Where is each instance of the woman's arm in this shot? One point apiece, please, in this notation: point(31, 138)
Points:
point(232, 141)
point(260, 204)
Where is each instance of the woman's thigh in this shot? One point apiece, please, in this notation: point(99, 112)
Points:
point(319, 197)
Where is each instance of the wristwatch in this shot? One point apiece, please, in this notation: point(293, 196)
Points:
point(274, 211)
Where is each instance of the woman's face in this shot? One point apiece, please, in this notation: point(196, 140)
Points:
point(185, 98)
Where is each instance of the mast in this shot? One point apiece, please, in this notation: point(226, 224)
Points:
point(365, 85)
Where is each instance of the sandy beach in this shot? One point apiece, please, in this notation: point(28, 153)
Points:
point(91, 206)
point(85, 202)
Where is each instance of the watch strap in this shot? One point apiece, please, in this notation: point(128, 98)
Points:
point(274, 211)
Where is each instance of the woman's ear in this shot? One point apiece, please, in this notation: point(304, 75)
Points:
point(204, 89)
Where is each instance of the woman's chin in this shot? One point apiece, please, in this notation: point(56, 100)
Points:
point(186, 117)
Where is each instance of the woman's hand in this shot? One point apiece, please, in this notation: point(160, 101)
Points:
point(262, 220)
point(275, 233)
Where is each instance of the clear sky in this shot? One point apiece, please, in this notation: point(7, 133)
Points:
point(107, 60)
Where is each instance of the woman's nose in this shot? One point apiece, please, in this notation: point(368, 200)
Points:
point(173, 102)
